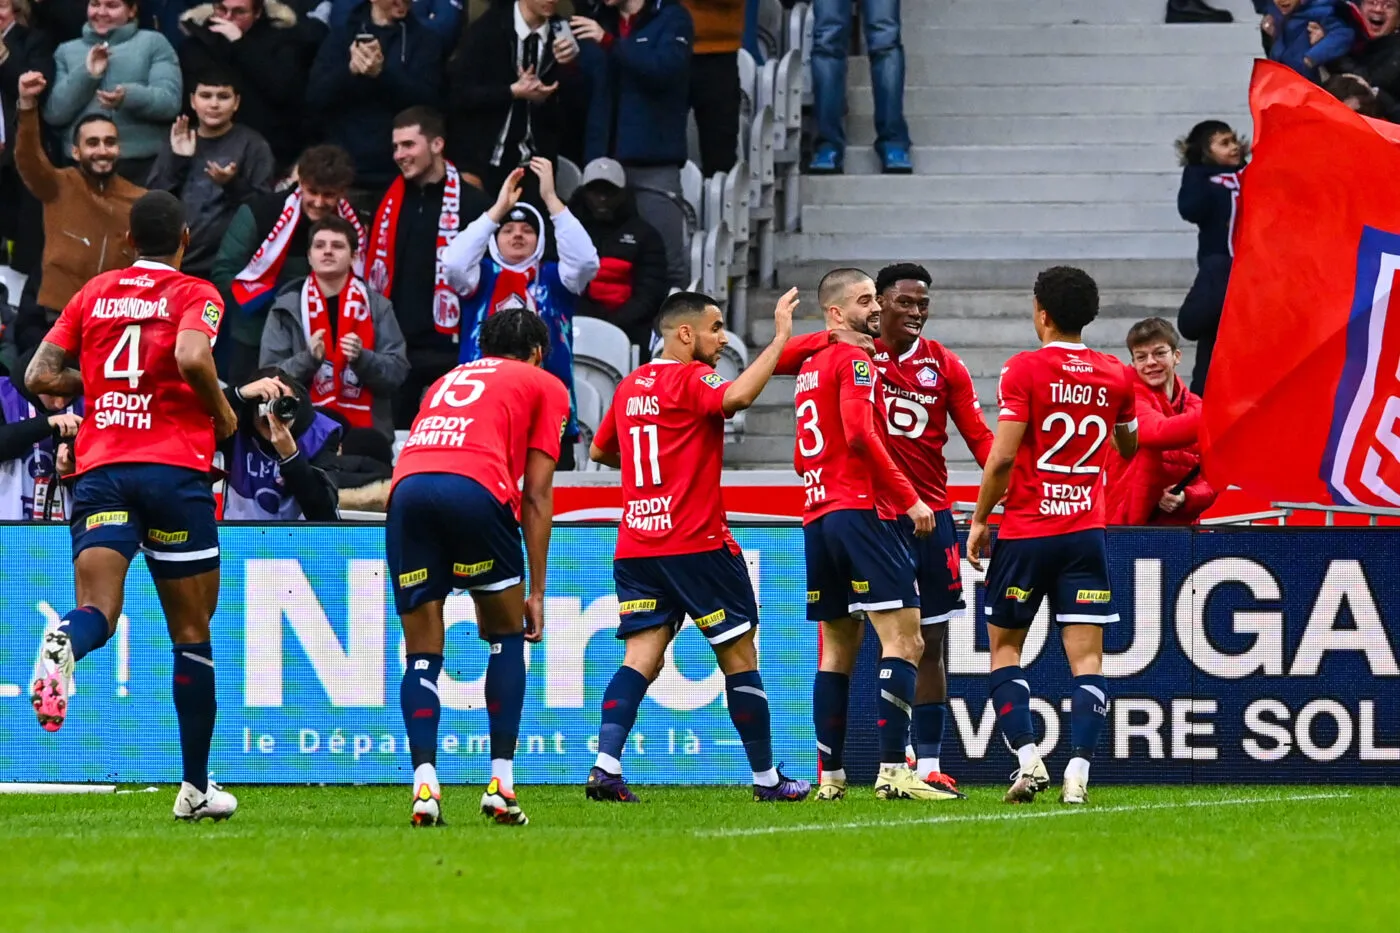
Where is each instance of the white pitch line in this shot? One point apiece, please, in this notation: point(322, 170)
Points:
point(1016, 815)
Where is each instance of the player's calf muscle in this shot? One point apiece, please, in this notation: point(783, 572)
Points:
point(899, 634)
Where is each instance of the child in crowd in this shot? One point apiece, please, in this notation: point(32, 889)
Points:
point(1306, 35)
point(1212, 156)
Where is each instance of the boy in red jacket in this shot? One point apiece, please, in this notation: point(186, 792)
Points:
point(1140, 490)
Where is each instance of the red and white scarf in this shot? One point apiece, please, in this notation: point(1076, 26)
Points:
point(259, 277)
point(335, 384)
point(447, 309)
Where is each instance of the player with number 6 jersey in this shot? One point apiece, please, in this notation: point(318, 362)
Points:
point(477, 466)
point(143, 339)
point(675, 556)
point(1060, 406)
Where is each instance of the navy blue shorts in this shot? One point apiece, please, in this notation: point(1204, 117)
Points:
point(165, 511)
point(445, 532)
point(1072, 570)
point(855, 561)
point(937, 567)
point(712, 587)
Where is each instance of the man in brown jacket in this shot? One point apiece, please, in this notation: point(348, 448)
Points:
point(714, 80)
point(86, 209)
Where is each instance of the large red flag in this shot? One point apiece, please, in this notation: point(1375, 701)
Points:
point(1303, 397)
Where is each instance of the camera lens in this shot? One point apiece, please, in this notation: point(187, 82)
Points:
point(284, 408)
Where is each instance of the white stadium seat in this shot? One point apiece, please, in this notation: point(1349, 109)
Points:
point(602, 356)
point(567, 178)
point(591, 408)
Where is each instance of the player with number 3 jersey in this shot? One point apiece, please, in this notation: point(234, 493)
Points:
point(1061, 408)
point(675, 556)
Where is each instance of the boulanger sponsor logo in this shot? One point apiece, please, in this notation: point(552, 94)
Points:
point(98, 519)
point(711, 619)
point(156, 536)
point(473, 570)
point(1093, 596)
point(1018, 594)
point(636, 605)
point(413, 577)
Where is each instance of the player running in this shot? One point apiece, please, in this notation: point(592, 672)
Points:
point(856, 557)
point(675, 555)
point(478, 465)
point(142, 337)
point(1060, 405)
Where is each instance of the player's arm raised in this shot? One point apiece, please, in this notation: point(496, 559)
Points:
point(195, 357)
point(799, 349)
point(744, 391)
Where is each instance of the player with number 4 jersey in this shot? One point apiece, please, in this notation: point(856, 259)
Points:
point(143, 339)
point(1061, 407)
point(675, 556)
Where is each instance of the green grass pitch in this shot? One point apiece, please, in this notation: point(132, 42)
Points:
point(310, 859)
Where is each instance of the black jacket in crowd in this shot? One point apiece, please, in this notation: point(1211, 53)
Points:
point(1199, 318)
point(631, 281)
point(30, 50)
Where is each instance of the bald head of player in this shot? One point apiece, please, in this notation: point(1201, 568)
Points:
point(157, 228)
point(902, 290)
point(516, 334)
point(848, 301)
point(692, 328)
point(1066, 302)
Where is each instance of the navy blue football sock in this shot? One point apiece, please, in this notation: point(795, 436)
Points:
point(897, 680)
point(620, 704)
point(928, 729)
point(87, 630)
point(748, 708)
point(1011, 695)
point(195, 707)
point(505, 692)
point(1088, 710)
point(418, 698)
point(831, 696)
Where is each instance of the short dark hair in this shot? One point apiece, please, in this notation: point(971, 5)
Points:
point(1153, 330)
point(834, 284)
point(514, 333)
point(326, 168)
point(83, 121)
point(1069, 296)
point(425, 118)
point(1346, 86)
point(899, 272)
point(682, 305)
point(335, 224)
point(157, 224)
point(215, 75)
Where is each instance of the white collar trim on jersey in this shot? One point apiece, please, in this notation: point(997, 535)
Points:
point(1065, 345)
point(151, 264)
point(662, 359)
point(909, 354)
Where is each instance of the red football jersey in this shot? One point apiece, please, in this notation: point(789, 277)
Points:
point(666, 422)
point(121, 328)
point(481, 419)
point(834, 477)
point(1070, 398)
point(918, 392)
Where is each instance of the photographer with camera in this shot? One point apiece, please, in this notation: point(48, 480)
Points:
point(36, 450)
point(272, 460)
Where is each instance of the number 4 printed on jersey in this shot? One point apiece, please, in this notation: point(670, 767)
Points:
point(129, 345)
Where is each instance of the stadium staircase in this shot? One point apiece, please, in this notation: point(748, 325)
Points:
point(1043, 133)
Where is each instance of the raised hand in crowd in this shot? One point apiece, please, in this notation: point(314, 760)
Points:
point(1316, 33)
point(318, 346)
point(225, 27)
point(529, 87)
point(509, 195)
point(97, 59)
point(221, 174)
point(112, 99)
point(31, 85)
point(265, 389)
point(586, 28)
point(543, 169)
point(351, 345)
point(182, 137)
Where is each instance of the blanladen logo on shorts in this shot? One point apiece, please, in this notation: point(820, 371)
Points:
point(709, 620)
point(713, 380)
point(1018, 594)
point(636, 605)
point(212, 314)
point(863, 374)
point(1093, 596)
point(473, 570)
point(156, 536)
point(413, 577)
point(814, 596)
point(860, 586)
point(97, 519)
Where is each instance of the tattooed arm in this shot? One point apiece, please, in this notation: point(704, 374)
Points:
point(48, 374)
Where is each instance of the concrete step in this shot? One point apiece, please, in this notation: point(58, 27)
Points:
point(975, 100)
point(989, 217)
point(846, 248)
point(969, 13)
point(963, 276)
point(1115, 158)
point(1053, 69)
point(919, 191)
point(1080, 129)
point(943, 39)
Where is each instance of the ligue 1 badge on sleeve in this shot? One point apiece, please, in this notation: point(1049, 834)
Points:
point(863, 375)
point(212, 314)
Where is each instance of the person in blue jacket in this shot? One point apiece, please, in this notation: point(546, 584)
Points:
point(1306, 34)
point(497, 263)
point(443, 17)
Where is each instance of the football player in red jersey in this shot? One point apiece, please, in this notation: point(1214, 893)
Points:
point(142, 337)
point(1061, 407)
point(923, 384)
point(675, 556)
point(477, 466)
point(857, 560)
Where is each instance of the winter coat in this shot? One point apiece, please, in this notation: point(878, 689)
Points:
point(473, 262)
point(638, 115)
point(358, 111)
point(719, 25)
point(30, 50)
point(143, 62)
point(1167, 450)
point(381, 370)
point(443, 17)
point(268, 62)
point(1208, 198)
point(631, 281)
point(1291, 44)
